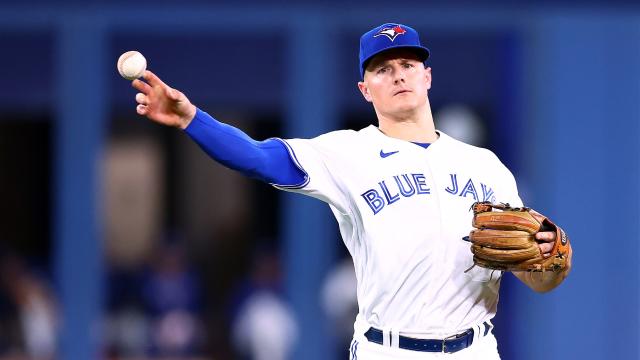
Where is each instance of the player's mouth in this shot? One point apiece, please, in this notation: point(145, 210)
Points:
point(401, 91)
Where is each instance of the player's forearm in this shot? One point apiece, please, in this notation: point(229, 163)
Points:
point(542, 281)
point(267, 160)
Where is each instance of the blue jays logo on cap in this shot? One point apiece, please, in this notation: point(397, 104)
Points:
point(391, 32)
point(389, 36)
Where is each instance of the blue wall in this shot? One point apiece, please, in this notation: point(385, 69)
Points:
point(584, 113)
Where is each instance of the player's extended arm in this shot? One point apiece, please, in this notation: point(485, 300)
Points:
point(549, 280)
point(267, 160)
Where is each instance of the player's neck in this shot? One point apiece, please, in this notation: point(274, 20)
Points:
point(417, 128)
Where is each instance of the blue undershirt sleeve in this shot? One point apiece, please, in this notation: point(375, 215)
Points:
point(267, 160)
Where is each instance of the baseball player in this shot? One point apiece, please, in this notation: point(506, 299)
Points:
point(401, 193)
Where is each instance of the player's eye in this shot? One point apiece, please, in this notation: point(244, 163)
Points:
point(407, 65)
point(382, 70)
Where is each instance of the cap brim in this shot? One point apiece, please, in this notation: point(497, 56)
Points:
point(422, 51)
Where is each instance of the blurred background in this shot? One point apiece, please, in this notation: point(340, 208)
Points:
point(120, 239)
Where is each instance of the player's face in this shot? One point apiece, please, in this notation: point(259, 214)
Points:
point(397, 83)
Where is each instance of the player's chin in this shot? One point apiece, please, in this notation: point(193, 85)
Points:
point(406, 106)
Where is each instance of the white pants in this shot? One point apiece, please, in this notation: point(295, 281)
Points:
point(483, 348)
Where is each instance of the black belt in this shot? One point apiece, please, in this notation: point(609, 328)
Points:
point(449, 345)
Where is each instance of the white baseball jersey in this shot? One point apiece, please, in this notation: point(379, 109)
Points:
point(402, 211)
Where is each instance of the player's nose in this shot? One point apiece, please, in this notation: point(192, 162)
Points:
point(398, 76)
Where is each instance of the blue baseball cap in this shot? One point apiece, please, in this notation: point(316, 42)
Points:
point(389, 36)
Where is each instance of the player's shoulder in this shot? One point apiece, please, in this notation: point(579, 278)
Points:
point(478, 156)
point(480, 159)
point(460, 148)
point(337, 135)
point(341, 138)
point(337, 141)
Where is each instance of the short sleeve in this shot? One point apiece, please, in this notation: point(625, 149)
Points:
point(318, 159)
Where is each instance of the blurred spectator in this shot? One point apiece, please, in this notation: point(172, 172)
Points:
point(155, 310)
point(127, 325)
point(264, 326)
point(340, 303)
point(461, 122)
point(172, 294)
point(32, 324)
point(127, 332)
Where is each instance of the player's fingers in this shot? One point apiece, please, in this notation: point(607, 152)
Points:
point(152, 79)
point(142, 109)
point(141, 86)
point(545, 249)
point(173, 94)
point(142, 99)
point(547, 236)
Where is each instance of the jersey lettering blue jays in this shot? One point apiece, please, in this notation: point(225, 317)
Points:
point(407, 185)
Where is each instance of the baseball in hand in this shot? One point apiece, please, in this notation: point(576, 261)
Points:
point(131, 65)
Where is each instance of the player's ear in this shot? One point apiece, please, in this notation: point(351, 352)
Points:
point(427, 75)
point(364, 89)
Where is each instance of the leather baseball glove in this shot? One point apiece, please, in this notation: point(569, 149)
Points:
point(504, 239)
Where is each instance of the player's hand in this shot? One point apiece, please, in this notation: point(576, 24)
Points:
point(161, 103)
point(546, 240)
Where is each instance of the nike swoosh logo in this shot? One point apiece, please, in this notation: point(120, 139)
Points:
point(384, 154)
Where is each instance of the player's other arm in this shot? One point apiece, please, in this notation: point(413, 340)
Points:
point(267, 160)
point(548, 280)
point(539, 281)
